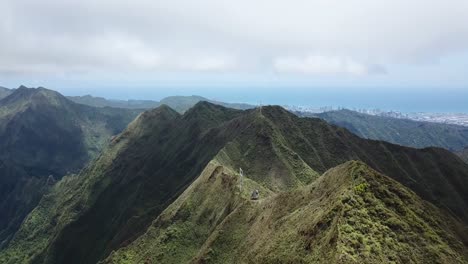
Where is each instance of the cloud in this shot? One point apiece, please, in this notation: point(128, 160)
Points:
point(318, 65)
point(355, 37)
point(206, 64)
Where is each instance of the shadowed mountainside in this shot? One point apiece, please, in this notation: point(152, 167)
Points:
point(44, 136)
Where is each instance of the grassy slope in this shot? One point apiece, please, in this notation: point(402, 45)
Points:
point(216, 191)
point(41, 134)
point(400, 131)
point(276, 149)
point(20, 194)
point(434, 174)
point(351, 214)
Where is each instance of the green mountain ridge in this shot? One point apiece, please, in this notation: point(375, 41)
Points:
point(44, 136)
point(351, 214)
point(141, 175)
point(398, 131)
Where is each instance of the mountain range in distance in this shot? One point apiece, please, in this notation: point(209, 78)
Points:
point(178, 103)
point(166, 190)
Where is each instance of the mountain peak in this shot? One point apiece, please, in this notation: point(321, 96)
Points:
point(275, 111)
point(210, 111)
point(36, 96)
point(162, 111)
point(205, 105)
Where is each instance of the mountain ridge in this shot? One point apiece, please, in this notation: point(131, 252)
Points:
point(122, 191)
point(317, 223)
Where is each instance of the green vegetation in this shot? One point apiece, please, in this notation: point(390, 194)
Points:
point(325, 222)
point(166, 191)
point(44, 136)
point(400, 131)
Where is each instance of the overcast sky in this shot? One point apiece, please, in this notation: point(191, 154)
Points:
point(378, 44)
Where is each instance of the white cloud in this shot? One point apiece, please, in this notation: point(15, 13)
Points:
point(345, 37)
point(318, 64)
point(206, 64)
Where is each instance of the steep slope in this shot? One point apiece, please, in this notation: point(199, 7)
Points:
point(434, 174)
point(42, 137)
point(351, 214)
point(40, 126)
point(4, 92)
point(399, 131)
point(142, 172)
point(159, 155)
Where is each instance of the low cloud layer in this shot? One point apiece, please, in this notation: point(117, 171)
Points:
point(296, 36)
